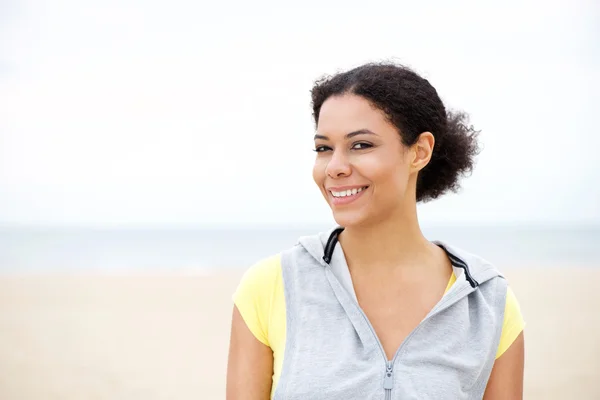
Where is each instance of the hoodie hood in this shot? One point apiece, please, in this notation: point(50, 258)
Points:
point(315, 244)
point(325, 249)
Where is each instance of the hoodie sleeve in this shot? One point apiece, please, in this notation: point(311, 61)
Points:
point(513, 323)
point(254, 296)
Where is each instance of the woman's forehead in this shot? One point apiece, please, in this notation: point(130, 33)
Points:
point(341, 115)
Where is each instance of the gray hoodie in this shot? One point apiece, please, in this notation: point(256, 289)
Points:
point(332, 351)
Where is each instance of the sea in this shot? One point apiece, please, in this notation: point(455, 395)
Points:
point(60, 249)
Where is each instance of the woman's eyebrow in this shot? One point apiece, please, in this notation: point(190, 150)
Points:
point(348, 135)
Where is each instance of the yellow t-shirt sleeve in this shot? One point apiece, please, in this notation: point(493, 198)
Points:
point(513, 323)
point(254, 296)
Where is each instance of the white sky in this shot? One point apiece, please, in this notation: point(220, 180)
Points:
point(182, 112)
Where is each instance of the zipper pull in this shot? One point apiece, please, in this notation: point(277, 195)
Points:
point(388, 380)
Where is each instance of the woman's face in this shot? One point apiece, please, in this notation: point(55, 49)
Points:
point(362, 168)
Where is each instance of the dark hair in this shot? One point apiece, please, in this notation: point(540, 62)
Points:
point(413, 106)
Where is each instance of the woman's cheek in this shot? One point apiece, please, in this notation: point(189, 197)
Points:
point(318, 172)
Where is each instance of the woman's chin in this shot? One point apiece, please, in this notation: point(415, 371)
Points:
point(349, 218)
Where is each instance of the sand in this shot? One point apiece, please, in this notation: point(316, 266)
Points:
point(165, 336)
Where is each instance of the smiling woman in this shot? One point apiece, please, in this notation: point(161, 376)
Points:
point(371, 308)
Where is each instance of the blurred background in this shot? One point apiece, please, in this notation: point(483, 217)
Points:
point(151, 151)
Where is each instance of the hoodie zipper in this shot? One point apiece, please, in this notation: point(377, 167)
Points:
point(388, 380)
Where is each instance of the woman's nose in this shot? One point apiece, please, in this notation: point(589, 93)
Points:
point(338, 166)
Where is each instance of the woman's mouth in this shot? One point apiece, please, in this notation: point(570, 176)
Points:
point(345, 196)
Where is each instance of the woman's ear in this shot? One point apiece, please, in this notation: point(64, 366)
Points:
point(422, 150)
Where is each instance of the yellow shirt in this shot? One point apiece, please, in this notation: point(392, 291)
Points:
point(260, 300)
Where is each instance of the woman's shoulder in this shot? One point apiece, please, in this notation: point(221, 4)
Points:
point(260, 278)
point(258, 289)
point(513, 323)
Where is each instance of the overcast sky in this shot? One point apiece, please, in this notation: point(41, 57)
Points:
point(185, 112)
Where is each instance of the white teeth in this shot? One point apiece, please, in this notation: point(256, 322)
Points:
point(349, 192)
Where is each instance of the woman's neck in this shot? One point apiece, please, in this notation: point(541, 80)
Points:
point(392, 243)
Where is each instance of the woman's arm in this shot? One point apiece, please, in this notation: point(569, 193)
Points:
point(506, 380)
point(250, 364)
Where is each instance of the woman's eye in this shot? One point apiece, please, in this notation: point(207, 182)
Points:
point(320, 149)
point(361, 146)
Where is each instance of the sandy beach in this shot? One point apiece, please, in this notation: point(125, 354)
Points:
point(165, 336)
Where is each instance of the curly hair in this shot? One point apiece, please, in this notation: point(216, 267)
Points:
point(413, 106)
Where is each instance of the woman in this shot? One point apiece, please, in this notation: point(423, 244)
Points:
point(372, 309)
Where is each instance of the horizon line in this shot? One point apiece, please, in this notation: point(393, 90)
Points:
point(533, 224)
